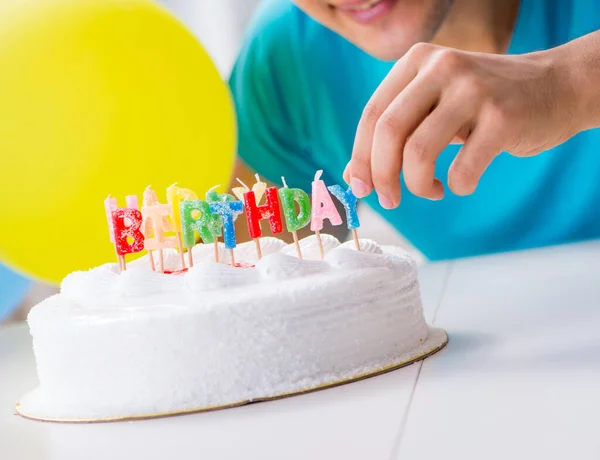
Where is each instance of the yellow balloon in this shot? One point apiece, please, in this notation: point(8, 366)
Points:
point(99, 97)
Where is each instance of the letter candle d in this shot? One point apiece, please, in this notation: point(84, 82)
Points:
point(295, 221)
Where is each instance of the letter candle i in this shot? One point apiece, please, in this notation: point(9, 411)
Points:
point(229, 209)
point(174, 197)
point(294, 222)
point(348, 199)
point(322, 208)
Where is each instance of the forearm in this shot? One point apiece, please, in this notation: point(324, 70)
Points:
point(580, 60)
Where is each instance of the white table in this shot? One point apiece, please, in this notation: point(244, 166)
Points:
point(519, 379)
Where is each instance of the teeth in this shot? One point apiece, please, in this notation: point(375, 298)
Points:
point(366, 5)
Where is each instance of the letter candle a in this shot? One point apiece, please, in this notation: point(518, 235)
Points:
point(322, 208)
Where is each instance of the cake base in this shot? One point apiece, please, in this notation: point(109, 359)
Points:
point(32, 404)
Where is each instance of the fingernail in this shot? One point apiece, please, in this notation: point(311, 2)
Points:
point(359, 188)
point(385, 202)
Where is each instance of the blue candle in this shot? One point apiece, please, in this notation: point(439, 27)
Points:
point(229, 211)
point(349, 200)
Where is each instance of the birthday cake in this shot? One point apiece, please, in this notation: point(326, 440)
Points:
point(153, 338)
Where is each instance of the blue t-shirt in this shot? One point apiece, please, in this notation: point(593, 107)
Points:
point(300, 89)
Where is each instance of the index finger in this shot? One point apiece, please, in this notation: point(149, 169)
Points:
point(359, 166)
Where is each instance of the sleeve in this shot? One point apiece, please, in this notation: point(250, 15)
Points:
point(270, 94)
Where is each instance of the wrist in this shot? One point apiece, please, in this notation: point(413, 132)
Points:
point(577, 65)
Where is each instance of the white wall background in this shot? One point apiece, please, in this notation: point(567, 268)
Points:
point(218, 24)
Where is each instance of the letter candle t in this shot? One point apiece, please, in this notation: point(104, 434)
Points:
point(229, 209)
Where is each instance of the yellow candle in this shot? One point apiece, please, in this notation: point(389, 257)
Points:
point(175, 195)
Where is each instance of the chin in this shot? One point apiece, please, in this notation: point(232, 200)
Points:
point(385, 29)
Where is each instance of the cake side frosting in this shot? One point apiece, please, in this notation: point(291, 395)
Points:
point(141, 342)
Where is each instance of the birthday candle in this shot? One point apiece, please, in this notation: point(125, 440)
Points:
point(207, 224)
point(270, 211)
point(154, 227)
point(132, 202)
point(322, 208)
point(258, 188)
point(110, 204)
point(175, 195)
point(229, 209)
point(322, 205)
point(349, 200)
point(126, 224)
point(294, 220)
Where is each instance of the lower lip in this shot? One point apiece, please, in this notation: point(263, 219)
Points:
point(372, 14)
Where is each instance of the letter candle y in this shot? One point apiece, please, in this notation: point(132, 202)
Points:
point(348, 199)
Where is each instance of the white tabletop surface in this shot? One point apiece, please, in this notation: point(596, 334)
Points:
point(520, 378)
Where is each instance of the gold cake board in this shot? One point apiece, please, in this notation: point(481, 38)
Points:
point(366, 375)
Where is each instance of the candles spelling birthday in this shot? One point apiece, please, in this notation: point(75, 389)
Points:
point(185, 219)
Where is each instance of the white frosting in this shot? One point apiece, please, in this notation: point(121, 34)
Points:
point(140, 342)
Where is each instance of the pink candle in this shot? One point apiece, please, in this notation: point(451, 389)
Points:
point(322, 205)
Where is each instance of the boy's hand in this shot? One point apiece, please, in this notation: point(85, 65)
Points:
point(435, 96)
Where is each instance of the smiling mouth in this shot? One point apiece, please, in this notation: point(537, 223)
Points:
point(365, 11)
point(356, 6)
